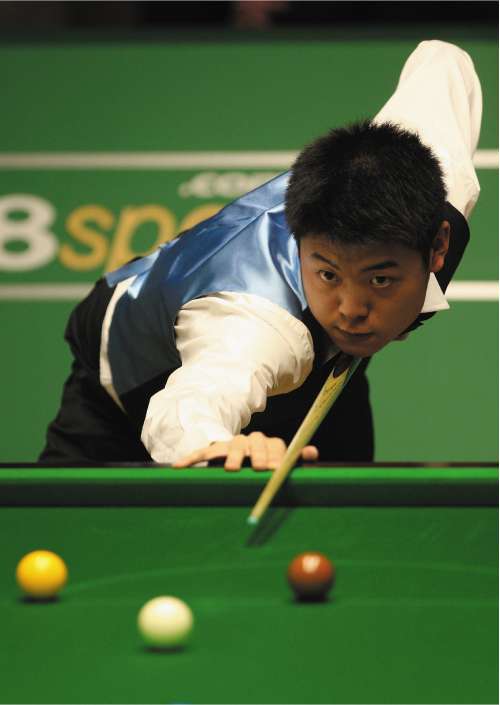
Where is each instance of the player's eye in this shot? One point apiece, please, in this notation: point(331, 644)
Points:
point(327, 276)
point(381, 282)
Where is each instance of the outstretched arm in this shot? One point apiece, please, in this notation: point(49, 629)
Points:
point(439, 97)
point(236, 350)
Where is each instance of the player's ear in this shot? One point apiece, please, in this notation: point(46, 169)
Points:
point(440, 246)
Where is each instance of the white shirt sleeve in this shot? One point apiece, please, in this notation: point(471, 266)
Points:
point(439, 97)
point(236, 350)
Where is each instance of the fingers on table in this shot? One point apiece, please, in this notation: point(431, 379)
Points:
point(238, 449)
point(310, 453)
point(215, 450)
point(264, 453)
point(234, 452)
point(276, 449)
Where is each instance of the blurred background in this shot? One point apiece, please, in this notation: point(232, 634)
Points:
point(124, 123)
point(245, 14)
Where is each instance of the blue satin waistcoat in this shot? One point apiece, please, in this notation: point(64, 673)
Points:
point(246, 247)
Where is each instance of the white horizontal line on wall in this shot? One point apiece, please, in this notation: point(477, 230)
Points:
point(148, 160)
point(472, 291)
point(457, 291)
point(44, 292)
point(483, 159)
point(486, 159)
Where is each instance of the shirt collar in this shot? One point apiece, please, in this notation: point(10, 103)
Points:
point(435, 300)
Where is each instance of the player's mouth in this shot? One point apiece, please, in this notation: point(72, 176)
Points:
point(352, 337)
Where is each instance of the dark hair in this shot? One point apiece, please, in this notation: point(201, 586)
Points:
point(366, 184)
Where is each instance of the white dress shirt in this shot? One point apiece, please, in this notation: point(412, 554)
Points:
point(239, 349)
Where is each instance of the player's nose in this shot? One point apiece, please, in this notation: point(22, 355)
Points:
point(353, 308)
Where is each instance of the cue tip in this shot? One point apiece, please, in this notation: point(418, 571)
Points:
point(252, 520)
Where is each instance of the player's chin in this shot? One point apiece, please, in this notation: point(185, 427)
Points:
point(361, 348)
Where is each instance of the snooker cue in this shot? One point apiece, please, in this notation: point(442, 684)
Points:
point(335, 382)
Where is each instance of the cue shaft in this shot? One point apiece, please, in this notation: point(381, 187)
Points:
point(322, 404)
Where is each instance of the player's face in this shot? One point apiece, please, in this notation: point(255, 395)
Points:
point(366, 296)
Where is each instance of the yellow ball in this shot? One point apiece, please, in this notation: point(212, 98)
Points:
point(41, 574)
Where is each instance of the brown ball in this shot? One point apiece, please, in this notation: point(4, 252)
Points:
point(311, 575)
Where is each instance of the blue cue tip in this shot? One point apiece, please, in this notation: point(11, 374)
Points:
point(252, 521)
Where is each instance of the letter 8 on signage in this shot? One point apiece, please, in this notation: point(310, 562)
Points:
point(33, 230)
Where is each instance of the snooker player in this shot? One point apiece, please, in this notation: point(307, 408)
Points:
point(216, 344)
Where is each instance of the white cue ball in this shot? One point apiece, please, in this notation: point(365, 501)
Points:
point(165, 622)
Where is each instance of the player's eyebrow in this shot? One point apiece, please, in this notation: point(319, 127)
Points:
point(386, 264)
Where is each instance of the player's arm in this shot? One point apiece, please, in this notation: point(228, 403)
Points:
point(439, 97)
point(236, 350)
